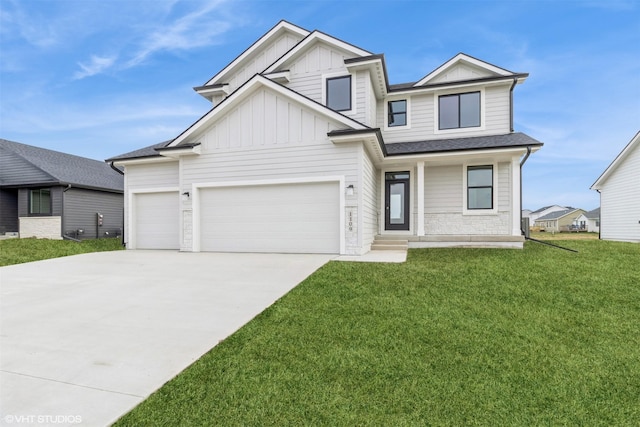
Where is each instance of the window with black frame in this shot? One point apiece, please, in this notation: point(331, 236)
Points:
point(339, 93)
point(397, 113)
point(480, 187)
point(459, 110)
point(40, 201)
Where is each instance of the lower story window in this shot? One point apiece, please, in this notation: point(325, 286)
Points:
point(40, 201)
point(480, 187)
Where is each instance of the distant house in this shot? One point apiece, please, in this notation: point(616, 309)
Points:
point(590, 221)
point(48, 194)
point(619, 188)
point(560, 220)
point(533, 216)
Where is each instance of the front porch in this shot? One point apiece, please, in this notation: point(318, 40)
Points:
point(392, 242)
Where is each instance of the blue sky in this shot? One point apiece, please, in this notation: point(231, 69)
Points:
point(100, 78)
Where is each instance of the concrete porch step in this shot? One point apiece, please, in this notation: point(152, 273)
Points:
point(389, 245)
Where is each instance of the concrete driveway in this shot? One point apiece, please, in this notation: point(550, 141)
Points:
point(86, 338)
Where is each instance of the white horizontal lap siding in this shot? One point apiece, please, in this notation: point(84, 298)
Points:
point(288, 218)
point(504, 187)
point(424, 118)
point(421, 120)
point(369, 205)
point(163, 174)
point(620, 201)
point(443, 189)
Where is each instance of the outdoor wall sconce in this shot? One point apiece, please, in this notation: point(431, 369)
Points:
point(185, 195)
point(350, 190)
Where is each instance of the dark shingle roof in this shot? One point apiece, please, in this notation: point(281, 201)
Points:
point(517, 139)
point(556, 214)
point(594, 214)
point(149, 151)
point(58, 167)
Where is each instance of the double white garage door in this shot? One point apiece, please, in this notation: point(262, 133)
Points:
point(287, 218)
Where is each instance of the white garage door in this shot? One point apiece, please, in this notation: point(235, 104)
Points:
point(291, 218)
point(156, 220)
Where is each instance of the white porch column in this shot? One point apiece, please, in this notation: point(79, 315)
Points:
point(515, 196)
point(420, 189)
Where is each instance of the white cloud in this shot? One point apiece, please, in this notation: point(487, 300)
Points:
point(97, 65)
point(195, 29)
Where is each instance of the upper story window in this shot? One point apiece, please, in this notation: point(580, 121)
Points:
point(480, 187)
point(339, 93)
point(40, 202)
point(397, 113)
point(459, 110)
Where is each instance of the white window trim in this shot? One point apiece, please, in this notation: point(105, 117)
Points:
point(436, 110)
point(465, 210)
point(386, 113)
point(325, 77)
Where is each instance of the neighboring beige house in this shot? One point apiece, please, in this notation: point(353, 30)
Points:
point(619, 188)
point(533, 216)
point(558, 221)
point(308, 148)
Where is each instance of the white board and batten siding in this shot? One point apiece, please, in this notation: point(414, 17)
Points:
point(620, 201)
point(152, 202)
point(261, 59)
point(263, 180)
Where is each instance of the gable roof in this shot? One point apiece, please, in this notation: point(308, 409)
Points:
point(626, 151)
point(309, 40)
point(244, 90)
point(462, 58)
point(54, 167)
point(277, 30)
point(557, 214)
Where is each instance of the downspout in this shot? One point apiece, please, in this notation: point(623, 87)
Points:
point(513, 85)
point(121, 173)
point(63, 221)
point(600, 217)
point(115, 168)
point(522, 162)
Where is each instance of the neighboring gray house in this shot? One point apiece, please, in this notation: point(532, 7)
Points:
point(558, 221)
point(619, 188)
point(48, 194)
point(309, 148)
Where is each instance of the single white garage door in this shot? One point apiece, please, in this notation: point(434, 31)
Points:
point(289, 218)
point(156, 220)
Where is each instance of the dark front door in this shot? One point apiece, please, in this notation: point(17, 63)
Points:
point(396, 201)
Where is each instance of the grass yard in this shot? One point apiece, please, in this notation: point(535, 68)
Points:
point(18, 251)
point(458, 337)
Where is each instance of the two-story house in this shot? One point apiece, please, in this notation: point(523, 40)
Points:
point(308, 148)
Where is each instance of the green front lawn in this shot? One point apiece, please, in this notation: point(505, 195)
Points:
point(452, 337)
point(18, 251)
